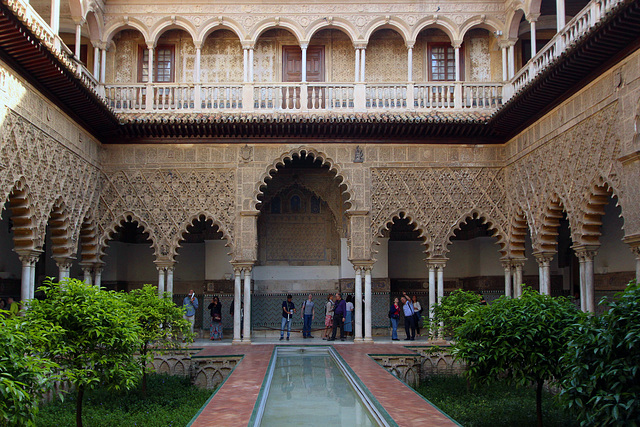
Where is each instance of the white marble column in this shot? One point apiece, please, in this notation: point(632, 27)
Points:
point(250, 65)
point(150, 48)
point(517, 286)
point(410, 63)
point(505, 63)
point(86, 275)
point(32, 278)
point(64, 266)
point(636, 251)
point(357, 70)
point(161, 274)
point(103, 65)
point(432, 289)
point(25, 291)
point(170, 281)
point(532, 23)
point(544, 266)
point(362, 64)
point(78, 40)
point(198, 64)
point(245, 65)
point(357, 312)
point(456, 48)
point(55, 16)
point(98, 276)
point(508, 271)
point(237, 305)
point(247, 305)
point(367, 304)
point(303, 65)
point(96, 62)
point(587, 287)
point(440, 274)
point(560, 15)
point(512, 60)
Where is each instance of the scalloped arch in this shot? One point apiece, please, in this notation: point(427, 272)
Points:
point(592, 211)
point(326, 160)
point(211, 25)
point(58, 222)
point(176, 240)
point(337, 24)
point(270, 24)
point(493, 225)
point(167, 24)
point(400, 213)
point(546, 236)
point(24, 224)
point(131, 24)
point(393, 23)
point(117, 222)
point(518, 230)
point(442, 23)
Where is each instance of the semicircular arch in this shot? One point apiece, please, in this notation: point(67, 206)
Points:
point(446, 25)
point(214, 24)
point(131, 24)
point(270, 24)
point(481, 21)
point(339, 24)
point(169, 23)
point(393, 23)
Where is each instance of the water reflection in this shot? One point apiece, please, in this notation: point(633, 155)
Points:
point(311, 390)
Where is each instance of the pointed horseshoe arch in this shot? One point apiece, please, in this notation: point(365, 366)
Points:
point(494, 228)
point(177, 240)
point(119, 221)
point(344, 185)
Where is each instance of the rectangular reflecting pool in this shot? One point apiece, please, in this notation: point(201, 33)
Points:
point(312, 386)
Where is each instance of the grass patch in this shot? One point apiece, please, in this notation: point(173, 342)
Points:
point(492, 405)
point(170, 401)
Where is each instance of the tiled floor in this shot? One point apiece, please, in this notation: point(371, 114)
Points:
point(233, 403)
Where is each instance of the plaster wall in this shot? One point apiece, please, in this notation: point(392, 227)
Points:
point(217, 260)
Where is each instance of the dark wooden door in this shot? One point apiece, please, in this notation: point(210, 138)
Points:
point(292, 72)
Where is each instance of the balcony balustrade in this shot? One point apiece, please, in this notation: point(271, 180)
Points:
point(356, 97)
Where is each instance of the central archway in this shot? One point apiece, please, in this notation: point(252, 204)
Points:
point(302, 239)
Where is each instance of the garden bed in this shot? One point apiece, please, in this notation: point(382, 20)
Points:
point(492, 405)
point(170, 401)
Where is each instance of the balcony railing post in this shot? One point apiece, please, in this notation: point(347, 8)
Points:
point(149, 98)
point(304, 96)
point(457, 95)
point(247, 97)
point(197, 97)
point(410, 97)
point(359, 97)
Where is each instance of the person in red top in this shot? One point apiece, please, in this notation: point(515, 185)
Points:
point(394, 315)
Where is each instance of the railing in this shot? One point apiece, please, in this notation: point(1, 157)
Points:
point(434, 95)
point(220, 97)
point(126, 98)
point(386, 96)
point(578, 26)
point(481, 95)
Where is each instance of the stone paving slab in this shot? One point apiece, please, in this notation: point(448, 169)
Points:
point(233, 403)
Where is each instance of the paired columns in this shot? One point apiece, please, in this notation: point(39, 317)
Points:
point(360, 269)
point(29, 258)
point(513, 276)
point(585, 256)
point(544, 266)
point(436, 282)
point(165, 278)
point(242, 330)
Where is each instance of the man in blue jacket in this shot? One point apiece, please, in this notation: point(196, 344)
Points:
point(339, 314)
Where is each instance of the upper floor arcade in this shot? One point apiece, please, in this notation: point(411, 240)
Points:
point(203, 58)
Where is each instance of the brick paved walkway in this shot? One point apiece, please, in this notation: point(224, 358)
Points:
point(233, 403)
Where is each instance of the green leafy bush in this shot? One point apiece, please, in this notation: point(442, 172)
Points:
point(518, 340)
point(452, 310)
point(24, 376)
point(602, 384)
point(92, 335)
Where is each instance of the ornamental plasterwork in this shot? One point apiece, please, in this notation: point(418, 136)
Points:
point(165, 202)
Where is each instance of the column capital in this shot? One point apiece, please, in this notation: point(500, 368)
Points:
point(440, 262)
point(585, 252)
point(360, 45)
point(362, 264)
point(64, 262)
point(544, 258)
point(248, 44)
point(304, 45)
point(456, 44)
point(28, 256)
point(163, 263)
point(634, 243)
point(532, 17)
point(410, 44)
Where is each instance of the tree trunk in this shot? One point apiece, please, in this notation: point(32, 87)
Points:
point(539, 402)
point(144, 379)
point(79, 406)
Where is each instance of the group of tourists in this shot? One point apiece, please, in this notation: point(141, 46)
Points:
point(338, 314)
point(412, 312)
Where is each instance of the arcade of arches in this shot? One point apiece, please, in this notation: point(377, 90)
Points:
point(555, 208)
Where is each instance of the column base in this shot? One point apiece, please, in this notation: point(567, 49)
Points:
point(358, 340)
point(368, 340)
point(236, 342)
point(246, 340)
